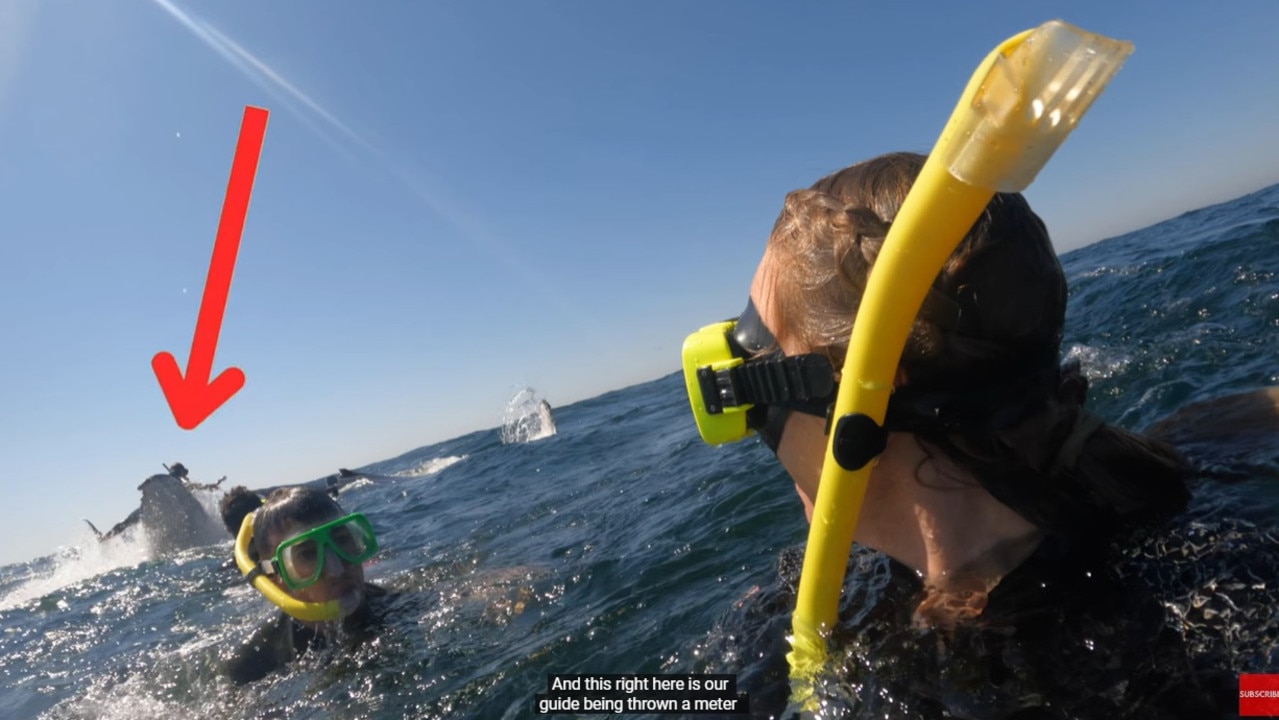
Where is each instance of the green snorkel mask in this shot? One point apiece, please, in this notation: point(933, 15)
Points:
point(299, 562)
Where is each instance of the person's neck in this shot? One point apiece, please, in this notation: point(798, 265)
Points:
point(936, 519)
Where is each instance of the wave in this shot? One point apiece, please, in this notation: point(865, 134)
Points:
point(431, 466)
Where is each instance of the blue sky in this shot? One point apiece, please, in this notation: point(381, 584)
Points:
point(455, 199)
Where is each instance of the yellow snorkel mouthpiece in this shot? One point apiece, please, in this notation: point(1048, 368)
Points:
point(1019, 106)
point(305, 611)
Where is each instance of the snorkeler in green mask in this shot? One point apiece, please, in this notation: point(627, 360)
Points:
point(306, 555)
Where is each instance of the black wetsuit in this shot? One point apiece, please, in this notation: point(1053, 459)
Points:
point(1062, 636)
point(1159, 624)
point(283, 639)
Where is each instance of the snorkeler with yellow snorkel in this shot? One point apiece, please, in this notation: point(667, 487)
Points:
point(900, 351)
point(305, 554)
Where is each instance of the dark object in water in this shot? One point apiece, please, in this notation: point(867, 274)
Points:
point(351, 476)
point(117, 528)
point(171, 517)
point(331, 484)
point(1231, 437)
point(179, 471)
point(174, 519)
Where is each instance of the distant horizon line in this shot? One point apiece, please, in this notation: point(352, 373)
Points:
point(1208, 206)
point(676, 371)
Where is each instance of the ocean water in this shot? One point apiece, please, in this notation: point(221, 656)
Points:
point(614, 541)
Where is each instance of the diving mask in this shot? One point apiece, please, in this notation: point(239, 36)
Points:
point(739, 381)
point(299, 561)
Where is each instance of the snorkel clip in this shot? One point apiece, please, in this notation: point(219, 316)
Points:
point(858, 440)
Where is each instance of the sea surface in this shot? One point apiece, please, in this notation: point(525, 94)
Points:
point(612, 542)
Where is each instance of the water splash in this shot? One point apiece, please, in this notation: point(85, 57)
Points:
point(86, 559)
point(1098, 363)
point(210, 500)
point(528, 418)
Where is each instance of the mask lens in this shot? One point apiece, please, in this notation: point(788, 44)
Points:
point(301, 559)
point(352, 543)
point(300, 562)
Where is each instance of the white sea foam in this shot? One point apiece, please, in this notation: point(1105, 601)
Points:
point(431, 466)
point(87, 558)
point(1098, 363)
point(362, 482)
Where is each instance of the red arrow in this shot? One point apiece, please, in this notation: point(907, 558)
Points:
point(193, 398)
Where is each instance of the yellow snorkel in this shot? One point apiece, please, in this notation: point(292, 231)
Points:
point(305, 611)
point(1018, 107)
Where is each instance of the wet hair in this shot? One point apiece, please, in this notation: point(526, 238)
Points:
point(1031, 445)
point(301, 505)
point(238, 502)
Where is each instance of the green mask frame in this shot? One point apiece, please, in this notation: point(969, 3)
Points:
point(257, 575)
point(299, 561)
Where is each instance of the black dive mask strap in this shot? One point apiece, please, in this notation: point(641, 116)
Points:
point(859, 439)
point(982, 410)
point(804, 383)
point(769, 422)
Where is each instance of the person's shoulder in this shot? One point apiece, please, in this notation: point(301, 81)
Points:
point(1061, 574)
point(267, 649)
point(379, 599)
point(378, 594)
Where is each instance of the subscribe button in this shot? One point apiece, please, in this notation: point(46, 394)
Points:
point(1258, 695)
